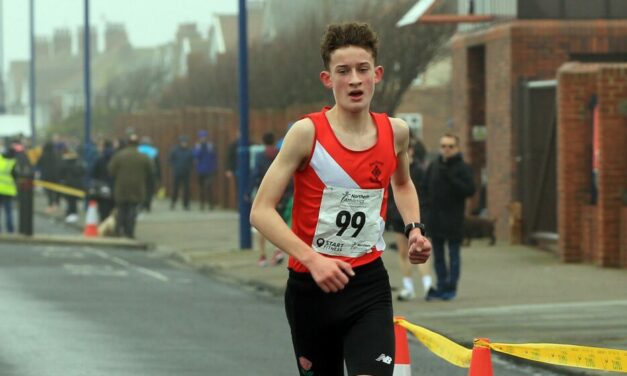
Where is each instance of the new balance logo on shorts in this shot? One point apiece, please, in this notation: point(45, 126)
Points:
point(385, 359)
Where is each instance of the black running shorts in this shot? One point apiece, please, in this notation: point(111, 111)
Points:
point(354, 325)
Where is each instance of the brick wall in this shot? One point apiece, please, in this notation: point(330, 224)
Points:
point(588, 229)
point(623, 238)
point(577, 83)
point(500, 142)
point(612, 92)
point(434, 103)
point(592, 232)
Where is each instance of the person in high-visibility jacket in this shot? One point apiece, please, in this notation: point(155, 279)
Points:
point(8, 187)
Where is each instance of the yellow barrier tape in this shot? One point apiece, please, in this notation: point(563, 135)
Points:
point(60, 188)
point(439, 345)
point(568, 355)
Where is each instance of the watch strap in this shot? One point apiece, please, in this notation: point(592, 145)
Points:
point(413, 225)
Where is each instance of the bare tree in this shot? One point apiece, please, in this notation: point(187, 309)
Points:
point(125, 93)
point(284, 71)
point(405, 53)
point(133, 90)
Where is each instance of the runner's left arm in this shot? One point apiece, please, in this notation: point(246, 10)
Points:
point(405, 194)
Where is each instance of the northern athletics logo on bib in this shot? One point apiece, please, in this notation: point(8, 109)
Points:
point(349, 223)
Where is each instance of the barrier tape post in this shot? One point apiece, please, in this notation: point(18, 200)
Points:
point(91, 220)
point(481, 361)
point(402, 361)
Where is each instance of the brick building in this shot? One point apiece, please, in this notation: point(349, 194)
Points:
point(505, 85)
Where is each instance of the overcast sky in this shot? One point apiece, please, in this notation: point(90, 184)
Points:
point(148, 22)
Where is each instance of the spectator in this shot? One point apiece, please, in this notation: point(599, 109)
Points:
point(146, 147)
point(231, 159)
point(102, 182)
point(181, 161)
point(72, 174)
point(263, 160)
point(131, 171)
point(8, 187)
point(231, 170)
point(395, 224)
point(447, 185)
point(206, 166)
point(49, 165)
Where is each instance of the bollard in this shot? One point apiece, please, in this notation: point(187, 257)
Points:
point(25, 183)
point(25, 200)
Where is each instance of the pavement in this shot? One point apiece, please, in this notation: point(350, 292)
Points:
point(507, 293)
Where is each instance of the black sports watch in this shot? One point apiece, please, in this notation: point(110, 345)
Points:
point(414, 225)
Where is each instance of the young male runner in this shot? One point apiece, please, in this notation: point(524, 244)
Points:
point(338, 300)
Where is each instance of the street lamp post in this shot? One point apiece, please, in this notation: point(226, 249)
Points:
point(32, 71)
point(87, 77)
point(242, 150)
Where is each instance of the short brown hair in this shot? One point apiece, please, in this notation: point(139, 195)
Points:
point(348, 34)
point(450, 135)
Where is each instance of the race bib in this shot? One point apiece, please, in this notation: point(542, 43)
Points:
point(349, 223)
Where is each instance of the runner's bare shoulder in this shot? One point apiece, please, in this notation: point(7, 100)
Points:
point(401, 133)
point(299, 140)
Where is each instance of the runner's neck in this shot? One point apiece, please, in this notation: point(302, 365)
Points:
point(355, 123)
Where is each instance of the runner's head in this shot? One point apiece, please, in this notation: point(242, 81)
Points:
point(349, 53)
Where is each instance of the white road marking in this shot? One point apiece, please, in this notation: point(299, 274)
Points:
point(99, 270)
point(526, 308)
point(125, 264)
point(62, 253)
point(152, 273)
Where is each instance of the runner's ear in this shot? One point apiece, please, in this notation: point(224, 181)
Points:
point(325, 78)
point(378, 74)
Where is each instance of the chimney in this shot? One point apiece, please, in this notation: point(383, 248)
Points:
point(116, 37)
point(187, 30)
point(62, 43)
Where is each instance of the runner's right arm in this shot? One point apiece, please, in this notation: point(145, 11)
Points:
point(331, 275)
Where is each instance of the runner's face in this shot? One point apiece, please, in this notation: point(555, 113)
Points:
point(352, 76)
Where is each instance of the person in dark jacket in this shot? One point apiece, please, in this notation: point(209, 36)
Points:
point(49, 165)
point(146, 147)
point(102, 182)
point(448, 183)
point(72, 174)
point(231, 169)
point(181, 162)
point(263, 160)
point(131, 171)
point(206, 166)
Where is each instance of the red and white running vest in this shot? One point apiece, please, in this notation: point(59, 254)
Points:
point(340, 198)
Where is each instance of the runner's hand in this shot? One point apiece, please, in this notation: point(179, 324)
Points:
point(331, 275)
point(419, 248)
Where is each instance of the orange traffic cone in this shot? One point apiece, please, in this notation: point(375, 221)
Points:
point(481, 361)
point(402, 363)
point(91, 220)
